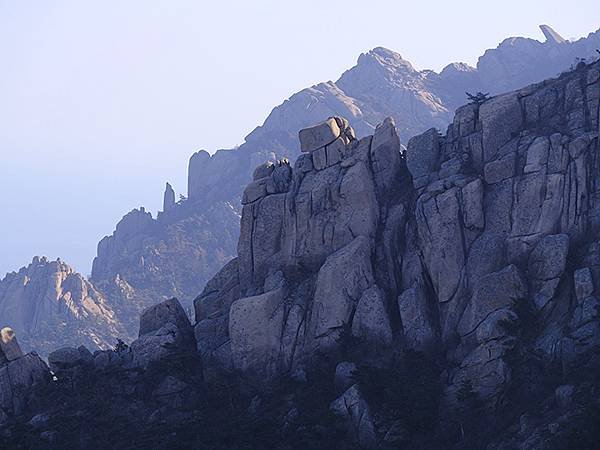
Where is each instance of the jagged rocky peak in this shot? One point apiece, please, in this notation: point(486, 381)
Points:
point(169, 198)
point(196, 169)
point(504, 199)
point(153, 259)
point(304, 268)
point(383, 57)
point(146, 260)
point(382, 66)
point(519, 61)
point(133, 222)
point(129, 230)
point(47, 303)
point(464, 267)
point(552, 36)
point(437, 248)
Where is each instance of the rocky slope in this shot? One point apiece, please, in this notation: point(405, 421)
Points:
point(47, 303)
point(147, 260)
point(442, 295)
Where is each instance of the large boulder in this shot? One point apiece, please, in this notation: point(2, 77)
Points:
point(9, 346)
point(319, 135)
point(17, 380)
point(385, 156)
point(157, 316)
point(165, 331)
point(422, 155)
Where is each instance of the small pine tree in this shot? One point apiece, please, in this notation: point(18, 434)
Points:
point(478, 98)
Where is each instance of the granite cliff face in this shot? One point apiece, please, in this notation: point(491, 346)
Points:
point(49, 304)
point(479, 246)
point(147, 260)
point(438, 295)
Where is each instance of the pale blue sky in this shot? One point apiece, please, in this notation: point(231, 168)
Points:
point(102, 102)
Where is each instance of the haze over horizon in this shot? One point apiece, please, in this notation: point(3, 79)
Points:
point(101, 106)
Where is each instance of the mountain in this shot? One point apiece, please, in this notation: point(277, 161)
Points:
point(381, 84)
point(51, 305)
point(147, 260)
point(442, 294)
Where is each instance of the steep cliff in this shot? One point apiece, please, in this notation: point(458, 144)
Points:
point(478, 247)
point(439, 295)
point(147, 260)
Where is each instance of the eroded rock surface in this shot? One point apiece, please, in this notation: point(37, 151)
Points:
point(148, 260)
point(439, 294)
point(48, 304)
point(447, 247)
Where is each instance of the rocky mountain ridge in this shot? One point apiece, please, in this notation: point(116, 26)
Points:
point(438, 295)
point(477, 247)
point(147, 260)
point(381, 84)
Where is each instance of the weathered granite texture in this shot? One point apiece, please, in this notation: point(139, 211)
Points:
point(441, 295)
point(436, 247)
point(148, 260)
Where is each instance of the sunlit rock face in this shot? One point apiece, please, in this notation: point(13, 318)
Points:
point(49, 305)
point(437, 247)
point(148, 260)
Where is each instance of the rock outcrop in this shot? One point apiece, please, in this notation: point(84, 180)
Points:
point(164, 330)
point(439, 295)
point(169, 198)
point(448, 247)
point(20, 374)
point(50, 305)
point(148, 260)
point(304, 271)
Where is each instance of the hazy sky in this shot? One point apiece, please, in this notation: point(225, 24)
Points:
point(102, 102)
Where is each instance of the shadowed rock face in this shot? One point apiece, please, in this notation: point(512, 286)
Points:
point(48, 305)
point(19, 375)
point(436, 247)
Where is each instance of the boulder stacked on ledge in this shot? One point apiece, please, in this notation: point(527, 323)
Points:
point(442, 295)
